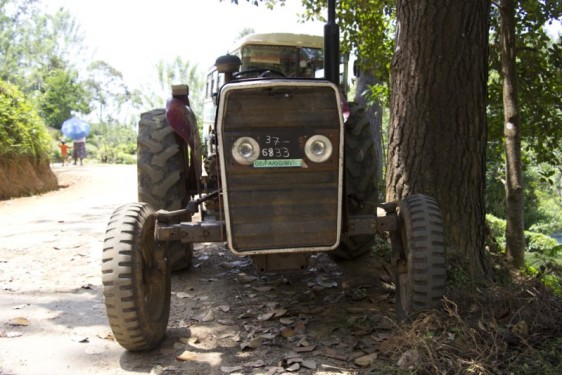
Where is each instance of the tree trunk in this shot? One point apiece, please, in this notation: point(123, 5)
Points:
point(374, 112)
point(437, 135)
point(514, 235)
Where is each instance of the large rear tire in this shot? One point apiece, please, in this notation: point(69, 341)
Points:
point(136, 278)
point(162, 171)
point(421, 274)
point(360, 179)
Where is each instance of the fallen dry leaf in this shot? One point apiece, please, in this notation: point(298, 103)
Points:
point(245, 279)
point(300, 326)
point(228, 370)
point(331, 353)
point(265, 316)
point(378, 337)
point(294, 367)
point(287, 321)
point(246, 315)
point(279, 313)
point(107, 336)
point(252, 344)
point(305, 349)
point(263, 288)
point(366, 360)
point(256, 364)
point(183, 295)
point(186, 356)
point(287, 332)
point(309, 364)
point(19, 322)
point(226, 322)
point(189, 340)
point(206, 316)
point(268, 336)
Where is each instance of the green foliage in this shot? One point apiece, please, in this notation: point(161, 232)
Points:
point(497, 229)
point(63, 95)
point(110, 96)
point(367, 30)
point(22, 132)
point(539, 79)
point(536, 242)
point(541, 244)
point(543, 256)
point(153, 94)
point(115, 144)
point(543, 201)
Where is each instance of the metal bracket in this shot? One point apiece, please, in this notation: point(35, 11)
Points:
point(371, 224)
point(187, 232)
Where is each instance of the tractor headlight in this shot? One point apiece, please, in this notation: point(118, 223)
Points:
point(318, 148)
point(245, 150)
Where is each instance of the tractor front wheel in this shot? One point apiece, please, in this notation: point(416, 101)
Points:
point(420, 265)
point(136, 278)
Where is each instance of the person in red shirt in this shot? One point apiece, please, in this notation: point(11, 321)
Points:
point(64, 151)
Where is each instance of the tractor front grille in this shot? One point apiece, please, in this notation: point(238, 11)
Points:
point(271, 206)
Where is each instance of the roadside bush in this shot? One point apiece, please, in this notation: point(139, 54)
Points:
point(535, 242)
point(22, 132)
point(542, 257)
point(497, 229)
point(540, 243)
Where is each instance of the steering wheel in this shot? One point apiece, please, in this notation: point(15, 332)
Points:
point(261, 73)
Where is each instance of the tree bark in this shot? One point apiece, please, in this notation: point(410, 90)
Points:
point(437, 135)
point(514, 235)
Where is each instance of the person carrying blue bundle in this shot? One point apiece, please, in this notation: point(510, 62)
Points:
point(79, 150)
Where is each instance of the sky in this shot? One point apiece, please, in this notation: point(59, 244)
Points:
point(133, 35)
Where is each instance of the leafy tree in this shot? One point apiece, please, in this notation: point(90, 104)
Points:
point(61, 96)
point(110, 95)
point(177, 71)
point(15, 22)
point(515, 238)
point(531, 75)
point(32, 43)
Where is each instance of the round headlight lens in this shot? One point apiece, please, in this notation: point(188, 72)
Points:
point(245, 150)
point(318, 148)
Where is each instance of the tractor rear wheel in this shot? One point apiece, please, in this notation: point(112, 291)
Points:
point(136, 278)
point(162, 171)
point(421, 275)
point(360, 179)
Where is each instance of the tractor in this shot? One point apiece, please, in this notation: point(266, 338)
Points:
point(284, 170)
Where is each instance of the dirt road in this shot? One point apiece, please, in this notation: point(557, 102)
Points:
point(330, 319)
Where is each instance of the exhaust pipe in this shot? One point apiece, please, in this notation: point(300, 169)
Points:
point(332, 46)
